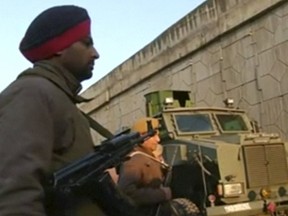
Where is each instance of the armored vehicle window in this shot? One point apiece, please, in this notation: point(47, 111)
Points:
point(231, 122)
point(193, 123)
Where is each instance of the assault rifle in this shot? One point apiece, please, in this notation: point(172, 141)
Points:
point(88, 177)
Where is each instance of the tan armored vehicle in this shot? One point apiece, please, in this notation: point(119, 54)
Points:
point(220, 160)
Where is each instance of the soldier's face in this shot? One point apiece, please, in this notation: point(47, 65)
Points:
point(79, 58)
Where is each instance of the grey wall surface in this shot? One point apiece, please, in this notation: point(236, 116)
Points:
point(224, 48)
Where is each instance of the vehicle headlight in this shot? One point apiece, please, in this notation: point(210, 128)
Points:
point(232, 189)
point(265, 192)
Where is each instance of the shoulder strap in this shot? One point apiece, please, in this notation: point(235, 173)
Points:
point(98, 127)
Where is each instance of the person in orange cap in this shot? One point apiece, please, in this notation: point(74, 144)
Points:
point(142, 175)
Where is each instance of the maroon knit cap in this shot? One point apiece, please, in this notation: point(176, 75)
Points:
point(54, 30)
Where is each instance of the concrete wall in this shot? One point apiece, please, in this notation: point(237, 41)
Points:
point(224, 48)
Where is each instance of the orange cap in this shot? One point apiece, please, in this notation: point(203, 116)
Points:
point(141, 124)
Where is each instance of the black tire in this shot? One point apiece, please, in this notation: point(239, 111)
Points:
point(184, 207)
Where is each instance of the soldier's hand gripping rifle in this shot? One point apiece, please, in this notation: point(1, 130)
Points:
point(82, 176)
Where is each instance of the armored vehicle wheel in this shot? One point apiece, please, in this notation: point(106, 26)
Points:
point(184, 207)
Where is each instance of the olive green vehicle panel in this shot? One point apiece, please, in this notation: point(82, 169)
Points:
point(225, 154)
